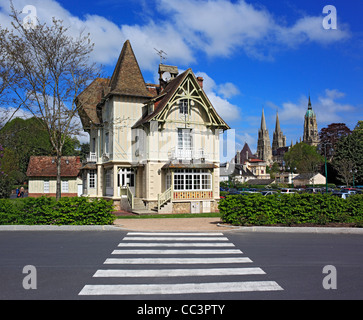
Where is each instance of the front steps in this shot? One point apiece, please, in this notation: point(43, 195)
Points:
point(141, 209)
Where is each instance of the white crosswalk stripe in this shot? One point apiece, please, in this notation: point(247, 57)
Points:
point(185, 247)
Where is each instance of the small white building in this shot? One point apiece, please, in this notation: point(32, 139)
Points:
point(42, 174)
point(308, 179)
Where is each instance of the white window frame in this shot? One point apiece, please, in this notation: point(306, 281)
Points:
point(184, 107)
point(65, 186)
point(46, 188)
point(191, 180)
point(92, 179)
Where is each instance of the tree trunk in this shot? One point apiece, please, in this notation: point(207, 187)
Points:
point(59, 186)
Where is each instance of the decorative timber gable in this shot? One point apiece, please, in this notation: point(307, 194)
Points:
point(185, 89)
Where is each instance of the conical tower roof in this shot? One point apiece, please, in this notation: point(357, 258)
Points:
point(127, 78)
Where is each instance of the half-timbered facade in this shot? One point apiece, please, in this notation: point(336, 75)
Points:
point(153, 147)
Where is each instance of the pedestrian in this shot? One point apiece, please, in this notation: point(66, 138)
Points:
point(22, 192)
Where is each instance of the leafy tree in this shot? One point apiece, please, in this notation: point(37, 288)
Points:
point(304, 158)
point(23, 138)
point(5, 182)
point(331, 135)
point(348, 158)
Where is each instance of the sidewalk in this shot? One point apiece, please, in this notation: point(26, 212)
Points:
point(172, 224)
point(214, 224)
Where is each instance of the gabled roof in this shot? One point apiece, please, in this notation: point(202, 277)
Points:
point(161, 102)
point(43, 166)
point(127, 78)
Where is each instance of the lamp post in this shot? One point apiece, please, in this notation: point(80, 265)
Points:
point(353, 171)
point(324, 144)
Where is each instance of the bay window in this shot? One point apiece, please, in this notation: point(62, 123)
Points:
point(190, 179)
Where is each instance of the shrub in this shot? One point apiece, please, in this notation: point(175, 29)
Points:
point(47, 211)
point(285, 209)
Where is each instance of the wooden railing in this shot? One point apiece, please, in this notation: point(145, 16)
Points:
point(164, 197)
point(130, 197)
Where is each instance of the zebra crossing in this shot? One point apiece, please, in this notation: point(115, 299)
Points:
point(165, 262)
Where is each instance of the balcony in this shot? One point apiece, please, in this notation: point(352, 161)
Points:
point(92, 157)
point(186, 154)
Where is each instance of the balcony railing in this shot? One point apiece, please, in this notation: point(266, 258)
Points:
point(92, 157)
point(186, 154)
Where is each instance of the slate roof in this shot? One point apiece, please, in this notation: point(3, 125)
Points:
point(42, 166)
point(88, 100)
point(127, 78)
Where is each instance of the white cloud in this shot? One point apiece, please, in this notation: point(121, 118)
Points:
point(327, 108)
point(227, 110)
point(228, 90)
point(181, 28)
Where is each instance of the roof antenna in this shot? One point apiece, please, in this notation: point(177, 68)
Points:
point(161, 54)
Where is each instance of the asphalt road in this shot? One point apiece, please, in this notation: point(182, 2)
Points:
point(65, 263)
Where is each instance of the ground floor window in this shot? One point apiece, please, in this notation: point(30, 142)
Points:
point(92, 179)
point(64, 186)
point(190, 179)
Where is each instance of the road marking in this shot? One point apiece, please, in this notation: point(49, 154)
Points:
point(177, 272)
point(184, 288)
point(175, 244)
point(177, 238)
point(174, 234)
point(177, 260)
point(180, 251)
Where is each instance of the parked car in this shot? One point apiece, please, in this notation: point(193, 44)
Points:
point(343, 195)
point(268, 193)
point(288, 190)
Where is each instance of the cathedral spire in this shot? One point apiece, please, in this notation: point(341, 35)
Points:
point(263, 121)
point(279, 140)
point(264, 151)
point(311, 134)
point(309, 105)
point(277, 127)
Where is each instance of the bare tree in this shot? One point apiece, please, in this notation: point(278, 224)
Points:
point(345, 169)
point(50, 68)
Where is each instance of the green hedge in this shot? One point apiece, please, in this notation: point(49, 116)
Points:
point(285, 209)
point(47, 211)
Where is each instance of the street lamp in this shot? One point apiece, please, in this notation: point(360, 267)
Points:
point(353, 171)
point(323, 145)
point(292, 174)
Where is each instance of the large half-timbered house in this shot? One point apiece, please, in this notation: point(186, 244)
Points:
point(152, 147)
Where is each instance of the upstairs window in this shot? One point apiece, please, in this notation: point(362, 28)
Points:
point(183, 107)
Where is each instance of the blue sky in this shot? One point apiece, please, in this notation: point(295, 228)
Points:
point(252, 54)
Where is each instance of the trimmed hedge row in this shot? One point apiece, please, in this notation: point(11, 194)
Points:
point(255, 209)
point(47, 211)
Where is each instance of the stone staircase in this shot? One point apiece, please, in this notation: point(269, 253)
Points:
point(141, 209)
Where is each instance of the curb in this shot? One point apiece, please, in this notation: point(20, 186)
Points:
point(320, 230)
point(58, 228)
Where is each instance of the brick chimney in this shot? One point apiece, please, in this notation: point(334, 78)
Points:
point(200, 81)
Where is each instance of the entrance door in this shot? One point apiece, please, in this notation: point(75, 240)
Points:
point(126, 177)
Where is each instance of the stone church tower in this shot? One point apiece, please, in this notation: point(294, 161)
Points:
point(264, 151)
point(311, 135)
point(279, 140)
